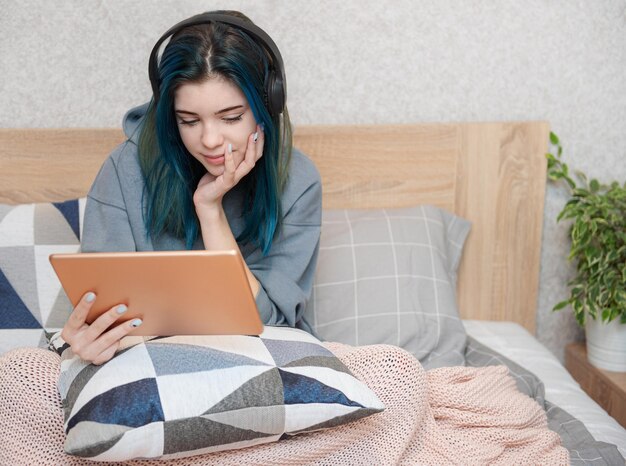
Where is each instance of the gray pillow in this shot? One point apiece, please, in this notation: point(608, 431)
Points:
point(389, 276)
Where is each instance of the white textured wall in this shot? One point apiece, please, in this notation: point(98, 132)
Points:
point(83, 63)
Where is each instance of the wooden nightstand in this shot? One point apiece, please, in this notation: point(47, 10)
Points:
point(607, 388)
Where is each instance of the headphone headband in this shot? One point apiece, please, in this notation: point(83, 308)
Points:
point(275, 84)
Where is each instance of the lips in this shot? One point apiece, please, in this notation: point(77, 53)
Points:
point(214, 159)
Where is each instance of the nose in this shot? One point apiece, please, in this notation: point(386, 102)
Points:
point(211, 137)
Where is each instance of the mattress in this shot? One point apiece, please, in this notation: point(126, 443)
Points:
point(517, 344)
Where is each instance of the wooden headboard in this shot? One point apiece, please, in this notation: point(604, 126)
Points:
point(493, 174)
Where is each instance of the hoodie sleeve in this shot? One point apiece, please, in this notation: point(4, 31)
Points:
point(106, 226)
point(286, 273)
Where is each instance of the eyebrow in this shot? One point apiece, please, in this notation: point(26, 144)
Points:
point(224, 110)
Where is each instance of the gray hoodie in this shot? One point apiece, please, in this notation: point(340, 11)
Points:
point(114, 222)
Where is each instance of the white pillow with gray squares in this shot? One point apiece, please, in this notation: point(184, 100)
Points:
point(389, 276)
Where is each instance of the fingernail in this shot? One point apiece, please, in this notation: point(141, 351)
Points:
point(230, 148)
point(90, 297)
point(262, 126)
point(256, 136)
point(121, 309)
point(136, 322)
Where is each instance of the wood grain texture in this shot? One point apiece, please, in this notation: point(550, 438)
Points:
point(501, 180)
point(607, 388)
point(493, 174)
point(383, 166)
point(39, 165)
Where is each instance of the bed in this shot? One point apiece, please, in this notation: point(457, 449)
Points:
point(489, 175)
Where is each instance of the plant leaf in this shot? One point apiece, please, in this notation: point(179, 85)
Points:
point(561, 305)
point(594, 185)
point(554, 139)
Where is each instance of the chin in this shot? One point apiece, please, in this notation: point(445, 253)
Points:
point(215, 171)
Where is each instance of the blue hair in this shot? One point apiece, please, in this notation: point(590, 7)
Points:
point(171, 174)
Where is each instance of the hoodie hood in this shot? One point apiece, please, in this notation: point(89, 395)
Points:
point(132, 121)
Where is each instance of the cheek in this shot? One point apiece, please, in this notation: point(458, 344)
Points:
point(238, 137)
point(242, 133)
point(187, 136)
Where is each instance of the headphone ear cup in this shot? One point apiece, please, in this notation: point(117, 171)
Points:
point(275, 91)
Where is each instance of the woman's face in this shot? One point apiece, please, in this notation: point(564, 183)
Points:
point(211, 115)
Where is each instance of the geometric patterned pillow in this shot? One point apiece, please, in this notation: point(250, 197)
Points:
point(388, 276)
point(172, 397)
point(31, 298)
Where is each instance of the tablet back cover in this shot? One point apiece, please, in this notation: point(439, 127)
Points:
point(173, 292)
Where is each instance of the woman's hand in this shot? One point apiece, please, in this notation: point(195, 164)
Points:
point(91, 342)
point(211, 189)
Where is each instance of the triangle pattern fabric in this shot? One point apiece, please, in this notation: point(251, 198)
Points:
point(5, 209)
point(133, 404)
point(69, 209)
point(18, 266)
point(248, 394)
point(82, 203)
point(330, 362)
point(301, 389)
point(51, 227)
point(191, 358)
point(80, 446)
point(181, 396)
point(187, 434)
point(13, 311)
point(251, 347)
point(16, 228)
point(82, 373)
point(266, 419)
point(285, 352)
point(48, 284)
point(60, 312)
point(339, 420)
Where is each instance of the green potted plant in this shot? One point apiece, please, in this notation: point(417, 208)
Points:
point(598, 247)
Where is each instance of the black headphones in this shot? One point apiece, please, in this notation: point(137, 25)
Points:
point(275, 84)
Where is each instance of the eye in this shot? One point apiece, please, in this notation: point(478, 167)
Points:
point(231, 120)
point(188, 122)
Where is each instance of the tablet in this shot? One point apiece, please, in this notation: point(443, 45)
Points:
point(173, 292)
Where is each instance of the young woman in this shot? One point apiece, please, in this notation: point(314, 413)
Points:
point(208, 164)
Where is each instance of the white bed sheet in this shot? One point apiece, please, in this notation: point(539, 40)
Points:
point(516, 343)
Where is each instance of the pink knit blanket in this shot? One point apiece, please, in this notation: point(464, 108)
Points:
point(455, 415)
